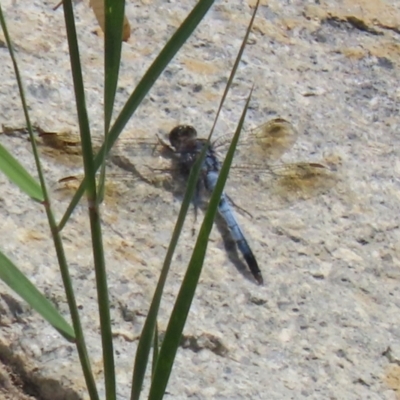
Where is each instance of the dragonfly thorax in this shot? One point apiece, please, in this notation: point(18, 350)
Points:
point(182, 136)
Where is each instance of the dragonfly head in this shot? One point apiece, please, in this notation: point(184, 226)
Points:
point(180, 135)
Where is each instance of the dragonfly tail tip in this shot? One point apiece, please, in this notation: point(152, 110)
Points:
point(259, 279)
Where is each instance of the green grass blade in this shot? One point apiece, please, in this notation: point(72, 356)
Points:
point(79, 90)
point(21, 285)
point(145, 341)
point(235, 66)
point(80, 340)
point(8, 164)
point(145, 84)
point(17, 174)
point(73, 307)
point(155, 350)
point(94, 214)
point(178, 318)
point(114, 18)
point(179, 314)
point(114, 11)
point(144, 344)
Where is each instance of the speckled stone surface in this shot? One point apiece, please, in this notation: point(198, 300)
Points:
point(326, 324)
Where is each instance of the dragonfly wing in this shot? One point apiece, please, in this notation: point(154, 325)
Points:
point(124, 183)
point(121, 188)
point(278, 186)
point(273, 186)
point(301, 181)
point(62, 146)
point(148, 159)
point(64, 141)
point(262, 145)
point(138, 156)
point(65, 188)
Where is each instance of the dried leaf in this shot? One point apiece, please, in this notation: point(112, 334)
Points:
point(98, 9)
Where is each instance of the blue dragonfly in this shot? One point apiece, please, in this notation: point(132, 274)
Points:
point(267, 142)
point(253, 169)
point(183, 139)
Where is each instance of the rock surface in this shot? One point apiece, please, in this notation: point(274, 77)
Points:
point(326, 324)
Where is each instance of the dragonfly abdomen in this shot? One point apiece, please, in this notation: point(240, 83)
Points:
point(226, 212)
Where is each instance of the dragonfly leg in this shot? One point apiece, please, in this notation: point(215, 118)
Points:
point(244, 211)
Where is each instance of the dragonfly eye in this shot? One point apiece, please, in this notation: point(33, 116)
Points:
point(180, 134)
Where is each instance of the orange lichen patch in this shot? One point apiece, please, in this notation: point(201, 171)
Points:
point(382, 48)
point(29, 235)
point(210, 96)
point(200, 67)
point(125, 335)
point(316, 12)
point(110, 218)
point(276, 29)
point(271, 30)
point(392, 378)
point(333, 160)
point(355, 53)
point(372, 14)
point(124, 250)
point(386, 48)
point(175, 18)
point(292, 23)
point(252, 3)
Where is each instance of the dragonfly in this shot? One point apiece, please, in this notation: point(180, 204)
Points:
point(188, 147)
point(253, 172)
point(267, 142)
